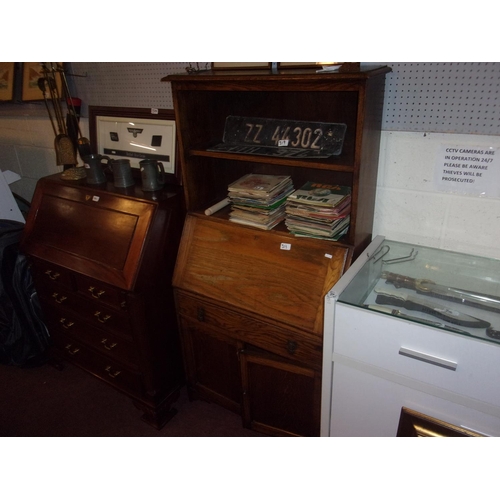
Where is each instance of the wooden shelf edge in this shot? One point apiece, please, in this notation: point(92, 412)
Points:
point(322, 164)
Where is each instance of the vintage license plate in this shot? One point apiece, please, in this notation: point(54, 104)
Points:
point(274, 137)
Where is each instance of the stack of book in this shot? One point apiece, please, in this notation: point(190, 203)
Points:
point(319, 211)
point(259, 200)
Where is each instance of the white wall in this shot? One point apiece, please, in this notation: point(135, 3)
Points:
point(409, 207)
point(27, 148)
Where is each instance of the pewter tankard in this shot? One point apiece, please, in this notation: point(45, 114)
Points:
point(95, 168)
point(152, 175)
point(122, 173)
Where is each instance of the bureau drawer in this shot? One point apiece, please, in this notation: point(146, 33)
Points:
point(87, 314)
point(100, 292)
point(50, 274)
point(290, 344)
point(107, 369)
point(77, 324)
point(460, 364)
point(56, 295)
point(108, 344)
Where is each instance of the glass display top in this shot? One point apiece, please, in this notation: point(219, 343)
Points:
point(448, 290)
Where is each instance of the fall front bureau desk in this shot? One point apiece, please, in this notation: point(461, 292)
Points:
point(102, 262)
point(411, 344)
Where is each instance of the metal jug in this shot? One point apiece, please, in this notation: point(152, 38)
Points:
point(152, 175)
point(95, 168)
point(122, 173)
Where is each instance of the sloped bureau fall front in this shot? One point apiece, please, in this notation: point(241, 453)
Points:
point(102, 263)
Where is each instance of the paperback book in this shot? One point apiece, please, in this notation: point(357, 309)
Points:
point(259, 200)
point(321, 195)
point(319, 211)
point(259, 186)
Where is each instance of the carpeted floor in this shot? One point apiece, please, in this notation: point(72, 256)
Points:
point(46, 402)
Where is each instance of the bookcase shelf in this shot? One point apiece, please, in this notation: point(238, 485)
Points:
point(340, 164)
point(249, 301)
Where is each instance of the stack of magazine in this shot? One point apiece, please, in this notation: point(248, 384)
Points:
point(319, 211)
point(258, 200)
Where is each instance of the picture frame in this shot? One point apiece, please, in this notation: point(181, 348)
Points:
point(136, 134)
point(7, 79)
point(31, 72)
point(300, 65)
point(343, 67)
point(217, 66)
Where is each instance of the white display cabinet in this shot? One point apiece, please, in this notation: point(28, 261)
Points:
point(411, 345)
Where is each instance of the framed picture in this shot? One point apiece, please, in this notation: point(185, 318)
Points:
point(135, 134)
point(302, 65)
point(32, 71)
point(240, 65)
point(322, 67)
point(7, 81)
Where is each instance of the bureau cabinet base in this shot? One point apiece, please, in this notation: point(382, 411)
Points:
point(157, 410)
point(273, 395)
point(158, 416)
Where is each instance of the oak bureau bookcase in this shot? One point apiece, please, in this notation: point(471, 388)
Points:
point(249, 301)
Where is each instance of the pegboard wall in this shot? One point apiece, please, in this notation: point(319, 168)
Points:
point(456, 97)
point(134, 85)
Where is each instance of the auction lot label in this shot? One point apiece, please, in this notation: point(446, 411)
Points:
point(468, 170)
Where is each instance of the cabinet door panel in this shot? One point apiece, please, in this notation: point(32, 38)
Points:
point(212, 366)
point(289, 405)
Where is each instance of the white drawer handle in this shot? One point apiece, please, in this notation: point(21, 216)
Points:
point(427, 358)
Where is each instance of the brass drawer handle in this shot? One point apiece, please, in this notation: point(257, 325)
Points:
point(58, 299)
point(113, 374)
point(96, 295)
point(106, 345)
point(105, 318)
point(66, 324)
point(51, 274)
point(71, 350)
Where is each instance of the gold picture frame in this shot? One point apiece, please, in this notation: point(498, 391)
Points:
point(7, 70)
point(31, 72)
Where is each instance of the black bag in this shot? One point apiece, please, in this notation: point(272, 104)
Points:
point(24, 338)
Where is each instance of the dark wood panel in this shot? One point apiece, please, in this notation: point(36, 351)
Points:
point(212, 366)
point(290, 405)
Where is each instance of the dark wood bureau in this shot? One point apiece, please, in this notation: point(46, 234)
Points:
point(102, 261)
